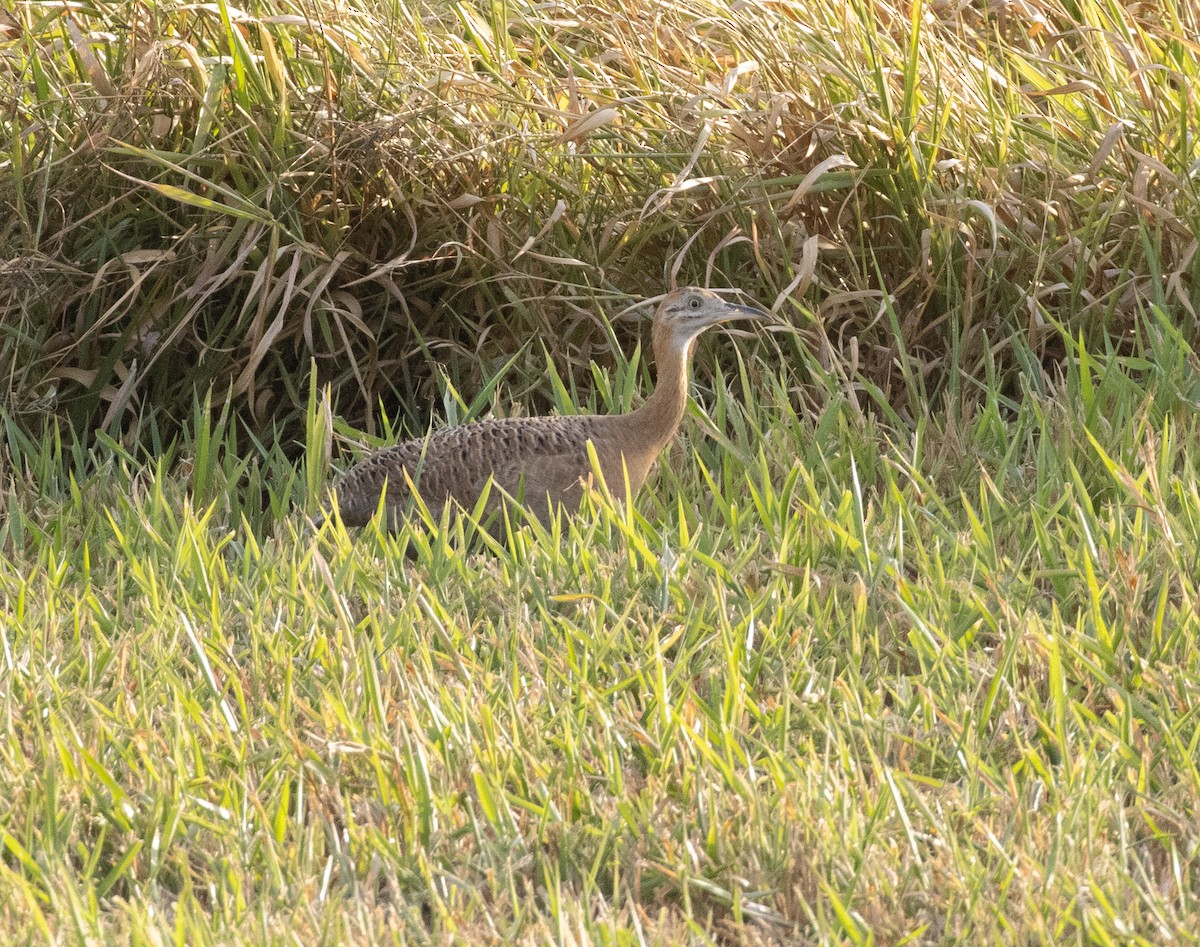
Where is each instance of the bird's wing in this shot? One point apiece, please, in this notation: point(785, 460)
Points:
point(532, 457)
point(544, 482)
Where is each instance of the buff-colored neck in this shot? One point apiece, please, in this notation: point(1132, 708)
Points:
point(653, 425)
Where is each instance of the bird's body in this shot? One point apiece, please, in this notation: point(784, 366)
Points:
point(525, 457)
point(542, 461)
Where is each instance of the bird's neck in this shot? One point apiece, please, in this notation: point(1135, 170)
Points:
point(654, 424)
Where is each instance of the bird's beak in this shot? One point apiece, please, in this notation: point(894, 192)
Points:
point(740, 313)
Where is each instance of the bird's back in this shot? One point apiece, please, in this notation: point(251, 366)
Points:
point(535, 458)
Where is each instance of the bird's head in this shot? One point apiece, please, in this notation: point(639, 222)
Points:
point(684, 313)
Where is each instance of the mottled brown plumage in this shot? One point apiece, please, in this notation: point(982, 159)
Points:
point(543, 461)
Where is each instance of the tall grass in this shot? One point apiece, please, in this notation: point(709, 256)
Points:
point(215, 196)
point(897, 647)
point(826, 683)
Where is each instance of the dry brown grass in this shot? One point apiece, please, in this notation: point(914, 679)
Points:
point(212, 197)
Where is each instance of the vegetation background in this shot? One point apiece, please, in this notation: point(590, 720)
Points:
point(897, 648)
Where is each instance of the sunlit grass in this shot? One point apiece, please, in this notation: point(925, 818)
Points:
point(831, 681)
point(896, 646)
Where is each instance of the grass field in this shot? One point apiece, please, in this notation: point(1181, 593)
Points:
point(897, 646)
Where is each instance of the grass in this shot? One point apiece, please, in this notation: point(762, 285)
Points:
point(897, 647)
point(216, 197)
point(825, 684)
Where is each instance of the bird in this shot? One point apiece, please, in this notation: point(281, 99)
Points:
point(543, 462)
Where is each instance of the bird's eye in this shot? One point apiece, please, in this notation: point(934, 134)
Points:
point(694, 302)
